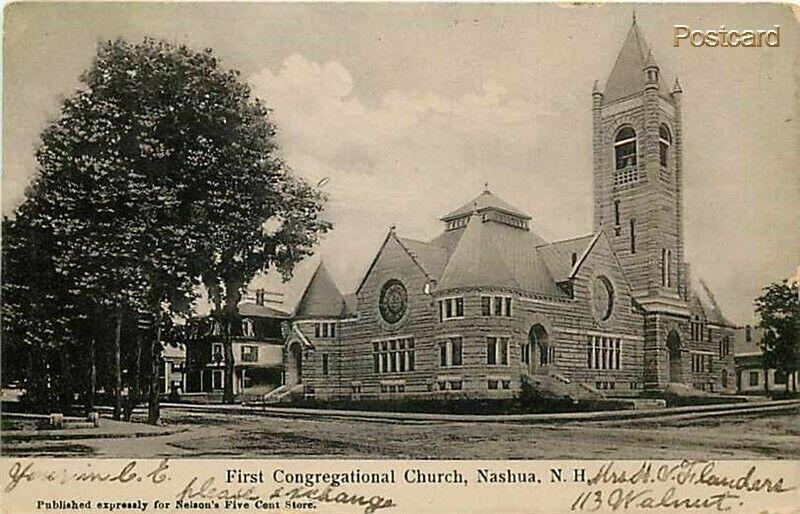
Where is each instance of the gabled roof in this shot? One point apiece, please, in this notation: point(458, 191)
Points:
point(627, 75)
point(558, 255)
point(485, 201)
point(322, 298)
point(286, 294)
point(498, 256)
point(262, 311)
point(431, 258)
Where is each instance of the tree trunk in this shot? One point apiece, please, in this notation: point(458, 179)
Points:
point(153, 409)
point(232, 297)
point(67, 389)
point(92, 382)
point(118, 365)
point(136, 387)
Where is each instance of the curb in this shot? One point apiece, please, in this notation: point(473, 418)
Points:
point(396, 417)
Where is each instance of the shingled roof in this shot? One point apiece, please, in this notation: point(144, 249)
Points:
point(627, 76)
point(558, 255)
point(482, 202)
point(431, 258)
point(490, 254)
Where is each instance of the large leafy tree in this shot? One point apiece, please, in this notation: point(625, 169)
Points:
point(159, 173)
point(778, 308)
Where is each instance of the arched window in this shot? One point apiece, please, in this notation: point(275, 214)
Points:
point(664, 142)
point(664, 267)
point(625, 147)
point(539, 340)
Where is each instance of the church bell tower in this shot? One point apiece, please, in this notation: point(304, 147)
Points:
point(638, 189)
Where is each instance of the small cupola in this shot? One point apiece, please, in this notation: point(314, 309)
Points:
point(487, 208)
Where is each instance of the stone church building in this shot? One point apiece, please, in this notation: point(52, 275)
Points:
point(488, 303)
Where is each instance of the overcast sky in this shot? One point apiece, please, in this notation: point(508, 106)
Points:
point(410, 109)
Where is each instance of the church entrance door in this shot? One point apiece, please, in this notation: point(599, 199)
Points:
point(294, 364)
point(674, 353)
point(542, 353)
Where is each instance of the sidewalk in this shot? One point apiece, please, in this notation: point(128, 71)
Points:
point(108, 429)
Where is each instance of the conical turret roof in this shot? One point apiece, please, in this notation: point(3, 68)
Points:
point(322, 298)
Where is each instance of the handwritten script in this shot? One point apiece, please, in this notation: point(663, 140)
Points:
point(197, 489)
point(691, 484)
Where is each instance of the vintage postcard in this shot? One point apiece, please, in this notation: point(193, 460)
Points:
point(400, 257)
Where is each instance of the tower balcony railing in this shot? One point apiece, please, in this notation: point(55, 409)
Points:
point(626, 175)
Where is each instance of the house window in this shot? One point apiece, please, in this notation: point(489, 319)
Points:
point(499, 306)
point(664, 142)
point(625, 148)
point(748, 333)
point(604, 353)
point(780, 377)
point(325, 330)
point(249, 353)
point(497, 350)
point(633, 235)
point(247, 328)
point(574, 259)
point(217, 355)
point(261, 296)
point(217, 381)
point(324, 363)
point(393, 356)
point(451, 308)
point(450, 352)
point(616, 212)
point(753, 378)
point(664, 267)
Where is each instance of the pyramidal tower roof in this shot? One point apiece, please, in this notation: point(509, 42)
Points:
point(627, 76)
point(476, 262)
point(486, 201)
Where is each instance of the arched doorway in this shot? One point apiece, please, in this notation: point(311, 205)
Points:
point(674, 352)
point(542, 350)
point(294, 364)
